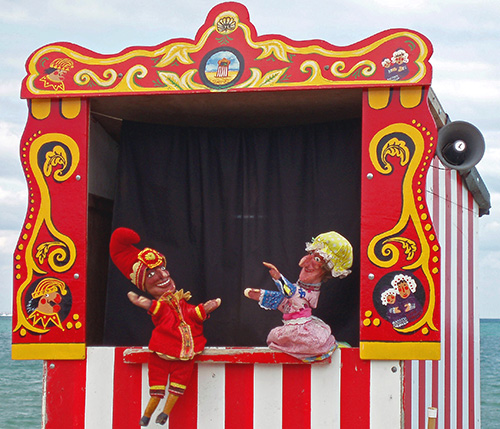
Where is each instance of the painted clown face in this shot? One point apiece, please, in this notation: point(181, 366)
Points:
point(312, 269)
point(158, 281)
point(57, 75)
point(49, 303)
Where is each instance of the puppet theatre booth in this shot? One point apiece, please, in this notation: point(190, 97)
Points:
point(226, 151)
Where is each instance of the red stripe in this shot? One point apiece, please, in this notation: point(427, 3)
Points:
point(447, 304)
point(422, 406)
point(239, 391)
point(472, 320)
point(127, 393)
point(459, 289)
point(354, 390)
point(407, 398)
point(185, 413)
point(65, 406)
point(436, 220)
point(296, 396)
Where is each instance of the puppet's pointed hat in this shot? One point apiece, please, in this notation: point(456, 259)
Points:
point(132, 262)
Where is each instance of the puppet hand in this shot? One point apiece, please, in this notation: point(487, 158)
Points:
point(252, 293)
point(275, 274)
point(140, 301)
point(211, 305)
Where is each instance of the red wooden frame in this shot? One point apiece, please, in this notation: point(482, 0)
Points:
point(227, 55)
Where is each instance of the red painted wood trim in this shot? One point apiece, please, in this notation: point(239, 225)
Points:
point(127, 387)
point(238, 355)
point(296, 397)
point(354, 391)
point(65, 406)
point(239, 399)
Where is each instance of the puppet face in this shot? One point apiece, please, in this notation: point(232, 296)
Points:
point(158, 281)
point(312, 269)
point(404, 289)
point(49, 303)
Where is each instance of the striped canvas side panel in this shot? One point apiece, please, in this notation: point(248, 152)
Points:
point(348, 392)
point(451, 384)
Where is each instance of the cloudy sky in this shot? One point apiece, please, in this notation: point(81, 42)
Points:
point(465, 35)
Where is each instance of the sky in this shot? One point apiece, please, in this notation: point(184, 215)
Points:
point(466, 78)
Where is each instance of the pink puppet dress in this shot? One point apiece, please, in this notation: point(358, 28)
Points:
point(302, 335)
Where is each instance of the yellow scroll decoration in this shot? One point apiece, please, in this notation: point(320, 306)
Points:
point(392, 241)
point(60, 164)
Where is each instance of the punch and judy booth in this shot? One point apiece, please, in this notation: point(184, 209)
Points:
point(224, 151)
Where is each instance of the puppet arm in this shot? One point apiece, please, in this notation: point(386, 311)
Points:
point(284, 286)
point(140, 301)
point(211, 305)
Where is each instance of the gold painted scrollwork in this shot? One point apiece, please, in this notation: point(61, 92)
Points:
point(59, 162)
point(405, 144)
point(366, 68)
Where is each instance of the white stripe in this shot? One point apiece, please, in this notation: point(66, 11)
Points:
point(211, 399)
point(465, 308)
point(99, 387)
point(385, 394)
point(442, 236)
point(268, 396)
point(325, 394)
point(477, 363)
point(415, 398)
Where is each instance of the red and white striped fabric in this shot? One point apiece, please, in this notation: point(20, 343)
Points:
point(451, 384)
point(105, 392)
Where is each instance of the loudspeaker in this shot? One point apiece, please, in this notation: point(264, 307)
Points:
point(460, 145)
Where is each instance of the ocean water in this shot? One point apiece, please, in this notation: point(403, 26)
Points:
point(21, 381)
point(20, 386)
point(490, 373)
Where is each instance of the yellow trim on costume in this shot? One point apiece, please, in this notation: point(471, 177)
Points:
point(179, 386)
point(198, 312)
point(157, 387)
point(157, 307)
point(49, 351)
point(400, 350)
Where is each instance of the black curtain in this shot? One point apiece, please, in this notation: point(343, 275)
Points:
point(220, 201)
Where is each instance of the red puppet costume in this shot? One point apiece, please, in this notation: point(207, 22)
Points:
point(178, 334)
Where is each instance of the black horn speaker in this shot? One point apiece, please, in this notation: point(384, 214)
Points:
point(460, 145)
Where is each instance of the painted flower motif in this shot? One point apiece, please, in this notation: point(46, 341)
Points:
point(226, 24)
point(55, 157)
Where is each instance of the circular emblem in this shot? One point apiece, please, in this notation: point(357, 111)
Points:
point(48, 302)
point(221, 68)
point(226, 22)
point(399, 298)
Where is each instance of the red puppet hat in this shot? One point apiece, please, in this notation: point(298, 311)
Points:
point(132, 262)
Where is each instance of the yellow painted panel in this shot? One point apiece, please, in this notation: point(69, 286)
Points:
point(49, 351)
point(40, 108)
point(70, 107)
point(411, 96)
point(378, 350)
point(378, 98)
